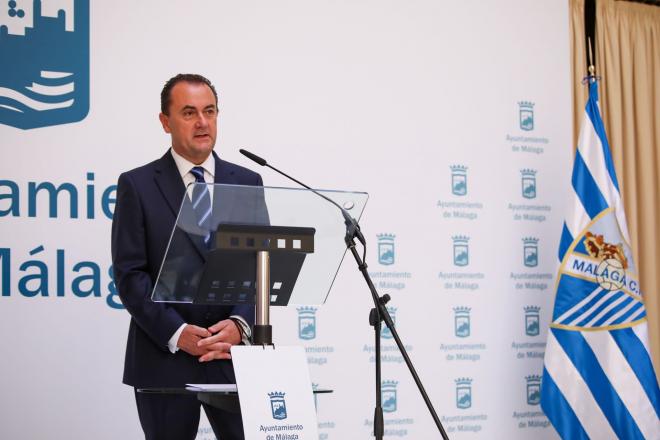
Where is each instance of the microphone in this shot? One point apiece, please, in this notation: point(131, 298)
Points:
point(352, 226)
point(254, 157)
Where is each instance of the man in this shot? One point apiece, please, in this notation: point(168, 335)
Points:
point(170, 345)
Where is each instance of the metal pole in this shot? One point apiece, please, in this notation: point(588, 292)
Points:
point(263, 332)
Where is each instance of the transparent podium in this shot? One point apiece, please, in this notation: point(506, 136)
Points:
point(249, 245)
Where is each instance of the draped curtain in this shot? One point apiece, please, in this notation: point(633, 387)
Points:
point(628, 60)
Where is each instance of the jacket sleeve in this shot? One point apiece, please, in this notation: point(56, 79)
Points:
point(131, 267)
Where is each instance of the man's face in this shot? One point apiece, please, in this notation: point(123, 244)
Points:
point(192, 121)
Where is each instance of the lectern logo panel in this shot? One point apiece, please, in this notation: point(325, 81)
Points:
point(44, 51)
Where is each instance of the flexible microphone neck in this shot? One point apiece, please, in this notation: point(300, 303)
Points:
point(350, 221)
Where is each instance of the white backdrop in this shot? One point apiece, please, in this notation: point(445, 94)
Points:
point(377, 96)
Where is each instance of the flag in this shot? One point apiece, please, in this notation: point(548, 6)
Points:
point(598, 378)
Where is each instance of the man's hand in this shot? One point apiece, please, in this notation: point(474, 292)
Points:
point(189, 339)
point(225, 334)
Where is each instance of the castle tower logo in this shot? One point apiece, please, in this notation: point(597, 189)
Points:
point(533, 389)
point(44, 51)
point(306, 323)
point(388, 395)
point(385, 332)
point(458, 180)
point(277, 405)
point(463, 392)
point(386, 249)
point(530, 251)
point(462, 322)
point(461, 250)
point(532, 320)
point(526, 112)
point(528, 178)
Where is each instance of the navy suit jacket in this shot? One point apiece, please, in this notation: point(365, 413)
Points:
point(148, 200)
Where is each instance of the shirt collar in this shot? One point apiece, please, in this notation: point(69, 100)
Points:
point(184, 165)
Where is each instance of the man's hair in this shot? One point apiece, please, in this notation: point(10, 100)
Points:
point(165, 94)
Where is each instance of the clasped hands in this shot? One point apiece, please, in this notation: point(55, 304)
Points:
point(212, 343)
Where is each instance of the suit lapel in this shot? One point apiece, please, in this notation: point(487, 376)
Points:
point(169, 182)
point(222, 172)
point(171, 186)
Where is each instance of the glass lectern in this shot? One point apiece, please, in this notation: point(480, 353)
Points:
point(231, 242)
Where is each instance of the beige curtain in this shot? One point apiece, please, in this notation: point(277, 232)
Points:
point(628, 60)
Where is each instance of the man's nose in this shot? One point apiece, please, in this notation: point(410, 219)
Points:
point(201, 120)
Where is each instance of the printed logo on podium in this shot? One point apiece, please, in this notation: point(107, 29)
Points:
point(277, 405)
point(532, 320)
point(44, 51)
point(526, 112)
point(463, 392)
point(306, 323)
point(388, 395)
point(459, 180)
point(385, 332)
point(462, 322)
point(530, 251)
point(528, 180)
point(533, 389)
point(461, 250)
point(386, 249)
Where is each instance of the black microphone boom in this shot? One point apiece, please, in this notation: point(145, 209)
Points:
point(350, 222)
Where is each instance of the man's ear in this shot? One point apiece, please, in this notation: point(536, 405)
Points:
point(165, 122)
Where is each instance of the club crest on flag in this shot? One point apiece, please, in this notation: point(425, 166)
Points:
point(386, 249)
point(598, 265)
point(528, 179)
point(458, 180)
point(461, 250)
point(526, 113)
point(306, 323)
point(463, 392)
point(462, 321)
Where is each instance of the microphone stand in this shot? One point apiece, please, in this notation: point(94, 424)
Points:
point(378, 314)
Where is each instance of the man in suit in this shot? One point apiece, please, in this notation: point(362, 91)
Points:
point(170, 345)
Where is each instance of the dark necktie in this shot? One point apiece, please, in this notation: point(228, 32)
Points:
point(201, 202)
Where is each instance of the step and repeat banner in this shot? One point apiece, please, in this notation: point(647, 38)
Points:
point(453, 116)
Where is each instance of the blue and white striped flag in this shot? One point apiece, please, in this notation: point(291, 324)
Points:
point(598, 379)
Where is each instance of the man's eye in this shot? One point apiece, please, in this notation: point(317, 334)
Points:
point(211, 112)
point(187, 114)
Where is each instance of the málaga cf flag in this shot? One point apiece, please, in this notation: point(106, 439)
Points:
point(598, 379)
